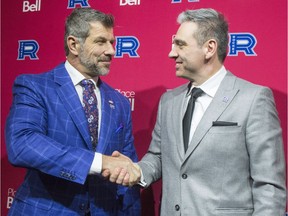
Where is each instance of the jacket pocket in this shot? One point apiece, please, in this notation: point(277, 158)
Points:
point(234, 211)
point(31, 206)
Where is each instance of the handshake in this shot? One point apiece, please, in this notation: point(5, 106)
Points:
point(120, 169)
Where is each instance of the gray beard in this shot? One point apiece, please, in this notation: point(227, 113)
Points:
point(93, 69)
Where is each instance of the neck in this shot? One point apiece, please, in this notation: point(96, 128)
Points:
point(74, 62)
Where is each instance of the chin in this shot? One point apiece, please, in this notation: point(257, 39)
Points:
point(104, 72)
point(100, 71)
point(179, 73)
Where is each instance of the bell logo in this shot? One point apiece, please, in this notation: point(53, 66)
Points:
point(27, 6)
point(129, 2)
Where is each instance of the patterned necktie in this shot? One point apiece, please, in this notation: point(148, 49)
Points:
point(196, 92)
point(91, 110)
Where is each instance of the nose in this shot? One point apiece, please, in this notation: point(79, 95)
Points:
point(110, 49)
point(172, 53)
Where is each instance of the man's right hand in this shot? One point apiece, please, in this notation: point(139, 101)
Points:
point(120, 169)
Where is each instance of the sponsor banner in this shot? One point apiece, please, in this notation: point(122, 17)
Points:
point(10, 197)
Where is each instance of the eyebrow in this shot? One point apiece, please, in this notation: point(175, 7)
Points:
point(179, 41)
point(101, 38)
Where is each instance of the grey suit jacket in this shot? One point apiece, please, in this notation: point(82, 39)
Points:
point(232, 168)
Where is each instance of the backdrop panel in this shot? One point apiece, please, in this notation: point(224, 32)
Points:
point(32, 42)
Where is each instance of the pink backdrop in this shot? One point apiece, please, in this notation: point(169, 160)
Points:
point(32, 42)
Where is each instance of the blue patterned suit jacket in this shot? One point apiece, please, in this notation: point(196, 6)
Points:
point(47, 133)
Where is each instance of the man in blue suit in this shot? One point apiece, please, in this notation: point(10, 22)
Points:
point(47, 131)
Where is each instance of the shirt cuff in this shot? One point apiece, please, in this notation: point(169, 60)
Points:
point(142, 182)
point(96, 166)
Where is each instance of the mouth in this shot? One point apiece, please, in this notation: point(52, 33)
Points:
point(105, 58)
point(106, 61)
point(177, 64)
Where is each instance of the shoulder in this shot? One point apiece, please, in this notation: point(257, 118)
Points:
point(249, 90)
point(39, 77)
point(245, 85)
point(44, 81)
point(32, 78)
point(178, 91)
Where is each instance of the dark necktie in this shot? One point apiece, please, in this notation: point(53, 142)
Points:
point(196, 92)
point(91, 110)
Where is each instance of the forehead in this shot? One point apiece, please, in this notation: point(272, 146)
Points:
point(97, 30)
point(185, 31)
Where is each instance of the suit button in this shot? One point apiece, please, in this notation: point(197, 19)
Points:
point(177, 207)
point(184, 176)
point(82, 206)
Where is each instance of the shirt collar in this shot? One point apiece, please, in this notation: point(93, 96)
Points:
point(75, 75)
point(211, 85)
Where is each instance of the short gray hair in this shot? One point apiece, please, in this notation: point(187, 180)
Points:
point(78, 23)
point(211, 24)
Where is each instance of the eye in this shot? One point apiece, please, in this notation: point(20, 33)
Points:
point(180, 44)
point(100, 42)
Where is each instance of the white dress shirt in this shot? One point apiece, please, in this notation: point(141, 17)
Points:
point(210, 88)
point(76, 78)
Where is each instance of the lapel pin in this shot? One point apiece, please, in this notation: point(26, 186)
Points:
point(111, 103)
point(119, 128)
point(225, 99)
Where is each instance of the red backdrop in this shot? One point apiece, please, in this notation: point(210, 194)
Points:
point(32, 42)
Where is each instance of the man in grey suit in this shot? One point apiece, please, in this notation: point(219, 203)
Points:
point(234, 163)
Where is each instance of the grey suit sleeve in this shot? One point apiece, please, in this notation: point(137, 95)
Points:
point(267, 162)
point(151, 162)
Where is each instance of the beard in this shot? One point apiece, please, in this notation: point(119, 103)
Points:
point(94, 68)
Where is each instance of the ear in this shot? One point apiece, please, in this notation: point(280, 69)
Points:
point(211, 48)
point(73, 45)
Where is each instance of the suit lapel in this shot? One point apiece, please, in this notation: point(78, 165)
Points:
point(71, 102)
point(220, 102)
point(177, 116)
point(107, 107)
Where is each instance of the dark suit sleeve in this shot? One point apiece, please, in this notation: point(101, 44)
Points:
point(28, 137)
point(267, 163)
